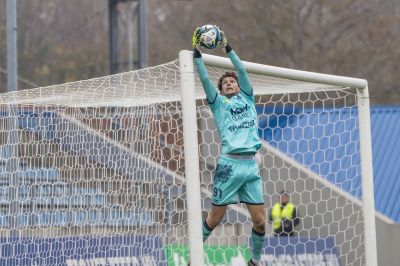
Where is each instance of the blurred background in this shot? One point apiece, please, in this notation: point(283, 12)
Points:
point(62, 41)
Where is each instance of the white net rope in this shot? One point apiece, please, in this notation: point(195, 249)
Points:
point(93, 171)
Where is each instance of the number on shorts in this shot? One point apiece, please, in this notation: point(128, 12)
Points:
point(217, 193)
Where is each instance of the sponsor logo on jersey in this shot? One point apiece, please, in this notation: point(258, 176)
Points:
point(246, 124)
point(239, 113)
point(239, 110)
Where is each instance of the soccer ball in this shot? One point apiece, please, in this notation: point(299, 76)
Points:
point(210, 36)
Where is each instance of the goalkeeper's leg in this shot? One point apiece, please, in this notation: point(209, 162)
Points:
point(257, 214)
point(213, 219)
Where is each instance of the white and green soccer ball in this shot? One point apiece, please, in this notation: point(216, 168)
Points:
point(210, 36)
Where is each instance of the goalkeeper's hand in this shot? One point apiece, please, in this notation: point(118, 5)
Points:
point(196, 38)
point(223, 41)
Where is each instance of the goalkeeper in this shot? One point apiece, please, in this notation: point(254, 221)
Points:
point(237, 174)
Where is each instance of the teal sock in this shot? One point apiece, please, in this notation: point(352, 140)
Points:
point(257, 239)
point(206, 230)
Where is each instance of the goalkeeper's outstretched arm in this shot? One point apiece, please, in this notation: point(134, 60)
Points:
point(243, 77)
point(208, 87)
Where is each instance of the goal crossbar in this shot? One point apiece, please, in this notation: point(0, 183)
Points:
point(287, 73)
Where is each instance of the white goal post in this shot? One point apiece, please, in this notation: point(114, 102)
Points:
point(189, 118)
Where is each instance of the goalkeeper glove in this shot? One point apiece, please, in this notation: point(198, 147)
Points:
point(223, 41)
point(196, 38)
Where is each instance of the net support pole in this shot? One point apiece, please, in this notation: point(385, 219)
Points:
point(367, 177)
point(191, 157)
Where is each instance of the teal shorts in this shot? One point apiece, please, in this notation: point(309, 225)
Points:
point(237, 179)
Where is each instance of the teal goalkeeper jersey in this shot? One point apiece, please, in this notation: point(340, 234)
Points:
point(235, 117)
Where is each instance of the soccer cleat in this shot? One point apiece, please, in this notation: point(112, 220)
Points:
point(251, 263)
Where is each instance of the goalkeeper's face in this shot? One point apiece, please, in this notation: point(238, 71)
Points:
point(229, 86)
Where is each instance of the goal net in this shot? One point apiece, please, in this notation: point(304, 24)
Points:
point(93, 172)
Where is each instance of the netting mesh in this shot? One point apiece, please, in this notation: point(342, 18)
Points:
point(93, 172)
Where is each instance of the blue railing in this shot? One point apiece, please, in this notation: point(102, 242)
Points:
point(104, 216)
